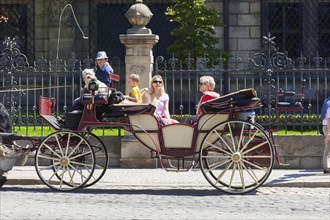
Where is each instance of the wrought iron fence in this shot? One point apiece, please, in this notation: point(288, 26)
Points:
point(23, 83)
point(268, 71)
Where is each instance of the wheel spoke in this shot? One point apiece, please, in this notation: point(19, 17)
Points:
point(249, 141)
point(232, 137)
point(101, 158)
point(250, 172)
point(80, 172)
point(49, 158)
point(49, 148)
point(225, 142)
point(217, 164)
point(255, 147)
point(67, 144)
point(74, 149)
point(259, 156)
point(71, 178)
point(222, 150)
point(223, 172)
point(81, 155)
point(59, 145)
point(240, 137)
point(240, 170)
point(256, 166)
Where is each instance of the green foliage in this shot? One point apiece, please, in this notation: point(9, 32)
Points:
point(195, 31)
point(179, 118)
point(46, 130)
point(285, 124)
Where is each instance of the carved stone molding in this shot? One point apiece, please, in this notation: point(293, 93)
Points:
point(137, 69)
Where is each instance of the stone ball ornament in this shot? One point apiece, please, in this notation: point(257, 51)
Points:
point(138, 14)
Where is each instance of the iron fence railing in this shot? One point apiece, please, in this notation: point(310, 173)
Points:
point(23, 83)
point(268, 71)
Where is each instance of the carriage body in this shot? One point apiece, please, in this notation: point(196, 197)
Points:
point(235, 156)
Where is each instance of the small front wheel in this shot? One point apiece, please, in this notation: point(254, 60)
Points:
point(236, 156)
point(65, 161)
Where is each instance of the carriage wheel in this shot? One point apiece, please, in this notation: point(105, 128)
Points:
point(64, 161)
point(101, 158)
point(236, 156)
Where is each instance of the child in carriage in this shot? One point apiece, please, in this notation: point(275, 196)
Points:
point(135, 94)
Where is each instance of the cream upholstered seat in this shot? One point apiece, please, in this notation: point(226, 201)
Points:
point(178, 136)
point(206, 122)
point(146, 128)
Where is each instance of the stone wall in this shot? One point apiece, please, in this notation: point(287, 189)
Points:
point(298, 152)
point(244, 26)
point(47, 15)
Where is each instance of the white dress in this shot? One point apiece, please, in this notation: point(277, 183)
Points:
point(160, 103)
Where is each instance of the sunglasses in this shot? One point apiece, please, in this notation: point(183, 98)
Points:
point(155, 81)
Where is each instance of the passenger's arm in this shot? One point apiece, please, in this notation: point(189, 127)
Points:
point(145, 95)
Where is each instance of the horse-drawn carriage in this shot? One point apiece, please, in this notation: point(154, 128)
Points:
point(235, 156)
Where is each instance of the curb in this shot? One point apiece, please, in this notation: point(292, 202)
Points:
point(25, 182)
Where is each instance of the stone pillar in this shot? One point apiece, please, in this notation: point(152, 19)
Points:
point(139, 59)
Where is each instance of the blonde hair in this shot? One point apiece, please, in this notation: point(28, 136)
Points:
point(208, 80)
point(155, 77)
point(134, 77)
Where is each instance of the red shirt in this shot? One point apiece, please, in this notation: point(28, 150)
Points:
point(206, 97)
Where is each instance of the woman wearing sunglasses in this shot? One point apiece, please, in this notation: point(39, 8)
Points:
point(206, 86)
point(157, 92)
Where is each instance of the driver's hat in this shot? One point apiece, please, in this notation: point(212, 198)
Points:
point(101, 55)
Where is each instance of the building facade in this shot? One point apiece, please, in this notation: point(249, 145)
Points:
point(300, 26)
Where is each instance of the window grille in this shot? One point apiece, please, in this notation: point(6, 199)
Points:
point(300, 26)
point(17, 21)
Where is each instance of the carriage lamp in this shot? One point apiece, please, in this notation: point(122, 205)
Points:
point(93, 86)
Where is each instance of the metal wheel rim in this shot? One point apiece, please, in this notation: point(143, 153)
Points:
point(60, 161)
point(240, 167)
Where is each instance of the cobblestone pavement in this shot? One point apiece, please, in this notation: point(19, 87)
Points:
point(157, 202)
point(157, 194)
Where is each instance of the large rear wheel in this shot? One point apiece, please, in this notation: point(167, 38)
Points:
point(236, 156)
point(65, 161)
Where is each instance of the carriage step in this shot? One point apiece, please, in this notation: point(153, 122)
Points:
point(176, 170)
point(283, 164)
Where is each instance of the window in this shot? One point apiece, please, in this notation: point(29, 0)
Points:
point(299, 26)
point(17, 22)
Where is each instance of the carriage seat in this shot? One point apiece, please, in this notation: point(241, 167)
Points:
point(103, 99)
point(290, 100)
point(242, 99)
point(125, 109)
point(98, 98)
